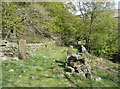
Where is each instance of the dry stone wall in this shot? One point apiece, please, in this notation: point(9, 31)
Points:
point(14, 51)
point(33, 47)
point(8, 50)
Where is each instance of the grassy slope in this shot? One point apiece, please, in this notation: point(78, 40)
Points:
point(29, 72)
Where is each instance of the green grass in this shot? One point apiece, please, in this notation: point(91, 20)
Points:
point(32, 72)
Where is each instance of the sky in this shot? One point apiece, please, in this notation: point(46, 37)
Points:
point(116, 6)
point(116, 2)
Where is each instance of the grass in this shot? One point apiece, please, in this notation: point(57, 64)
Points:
point(37, 71)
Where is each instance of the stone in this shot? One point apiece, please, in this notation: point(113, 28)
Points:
point(15, 58)
point(11, 70)
point(20, 75)
point(9, 54)
point(13, 45)
point(88, 75)
point(52, 65)
point(34, 77)
point(61, 75)
point(68, 74)
point(47, 75)
point(98, 78)
point(84, 68)
point(70, 68)
point(80, 78)
point(70, 50)
point(4, 42)
point(22, 49)
point(3, 58)
point(1, 54)
point(82, 73)
point(55, 71)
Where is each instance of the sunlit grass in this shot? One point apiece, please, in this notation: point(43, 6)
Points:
point(37, 71)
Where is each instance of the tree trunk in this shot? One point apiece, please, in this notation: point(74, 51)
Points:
point(7, 35)
point(88, 45)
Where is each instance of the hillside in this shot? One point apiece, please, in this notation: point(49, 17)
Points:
point(46, 68)
point(36, 36)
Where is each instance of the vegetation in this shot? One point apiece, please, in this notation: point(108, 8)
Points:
point(37, 71)
point(96, 25)
point(41, 22)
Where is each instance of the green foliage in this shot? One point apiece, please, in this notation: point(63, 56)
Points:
point(104, 38)
point(96, 24)
point(64, 22)
point(11, 20)
point(99, 27)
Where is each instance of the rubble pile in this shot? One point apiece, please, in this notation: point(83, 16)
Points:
point(79, 63)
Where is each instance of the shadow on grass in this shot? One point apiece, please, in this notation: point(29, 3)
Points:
point(76, 85)
point(62, 64)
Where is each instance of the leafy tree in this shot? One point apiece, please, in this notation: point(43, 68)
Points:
point(11, 20)
point(65, 24)
point(100, 27)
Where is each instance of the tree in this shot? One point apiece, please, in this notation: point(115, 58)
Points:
point(100, 27)
point(65, 24)
point(11, 20)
